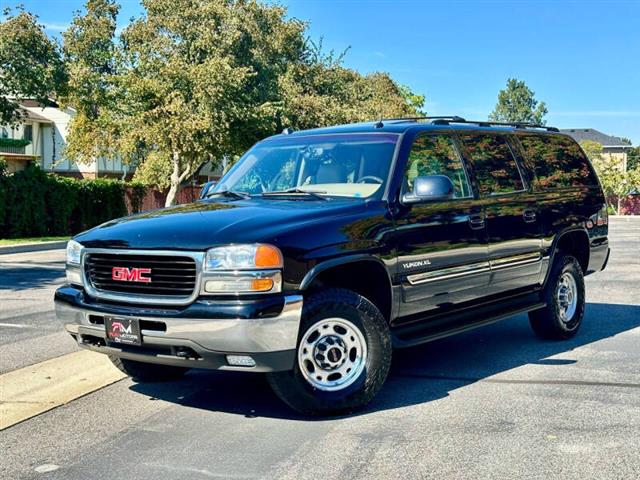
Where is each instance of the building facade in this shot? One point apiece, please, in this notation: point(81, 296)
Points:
point(43, 130)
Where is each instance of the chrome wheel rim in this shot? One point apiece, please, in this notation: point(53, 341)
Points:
point(567, 297)
point(332, 354)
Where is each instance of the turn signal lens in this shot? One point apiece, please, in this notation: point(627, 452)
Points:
point(262, 285)
point(268, 257)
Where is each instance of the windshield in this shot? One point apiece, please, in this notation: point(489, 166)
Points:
point(352, 165)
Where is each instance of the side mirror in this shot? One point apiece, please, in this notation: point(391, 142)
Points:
point(206, 188)
point(429, 188)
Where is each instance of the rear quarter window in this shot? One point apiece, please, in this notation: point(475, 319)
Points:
point(557, 162)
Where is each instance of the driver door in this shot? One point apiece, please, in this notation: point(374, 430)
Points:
point(442, 245)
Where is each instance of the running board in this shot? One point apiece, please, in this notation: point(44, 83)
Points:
point(428, 331)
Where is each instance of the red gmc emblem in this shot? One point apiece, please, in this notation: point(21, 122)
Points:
point(124, 274)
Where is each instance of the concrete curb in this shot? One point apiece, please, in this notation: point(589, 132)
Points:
point(624, 218)
point(32, 247)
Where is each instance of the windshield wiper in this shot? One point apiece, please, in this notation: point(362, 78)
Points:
point(230, 193)
point(296, 190)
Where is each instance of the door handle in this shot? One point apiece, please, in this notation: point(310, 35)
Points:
point(529, 216)
point(476, 222)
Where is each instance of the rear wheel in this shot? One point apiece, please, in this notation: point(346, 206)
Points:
point(343, 355)
point(565, 299)
point(147, 372)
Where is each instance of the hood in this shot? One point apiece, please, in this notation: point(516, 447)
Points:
point(205, 224)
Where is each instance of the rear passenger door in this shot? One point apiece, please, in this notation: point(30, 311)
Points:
point(511, 212)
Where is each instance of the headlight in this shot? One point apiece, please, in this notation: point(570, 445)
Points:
point(237, 269)
point(243, 257)
point(74, 249)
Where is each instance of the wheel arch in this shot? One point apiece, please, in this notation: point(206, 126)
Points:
point(573, 241)
point(349, 272)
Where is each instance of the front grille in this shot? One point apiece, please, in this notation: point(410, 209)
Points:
point(171, 276)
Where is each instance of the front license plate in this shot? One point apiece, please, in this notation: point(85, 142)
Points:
point(125, 331)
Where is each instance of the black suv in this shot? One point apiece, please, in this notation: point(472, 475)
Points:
point(322, 250)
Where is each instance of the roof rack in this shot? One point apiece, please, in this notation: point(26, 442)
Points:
point(446, 120)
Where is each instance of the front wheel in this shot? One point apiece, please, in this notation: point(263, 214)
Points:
point(343, 355)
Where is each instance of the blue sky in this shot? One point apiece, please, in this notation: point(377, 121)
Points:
point(581, 57)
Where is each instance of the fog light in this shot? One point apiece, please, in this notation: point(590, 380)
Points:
point(240, 361)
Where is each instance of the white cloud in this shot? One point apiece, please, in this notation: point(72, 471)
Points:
point(379, 54)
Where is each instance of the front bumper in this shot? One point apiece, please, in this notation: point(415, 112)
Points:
point(200, 335)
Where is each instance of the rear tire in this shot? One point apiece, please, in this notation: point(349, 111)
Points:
point(343, 355)
point(565, 299)
point(147, 372)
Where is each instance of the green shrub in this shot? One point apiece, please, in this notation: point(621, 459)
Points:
point(137, 192)
point(33, 203)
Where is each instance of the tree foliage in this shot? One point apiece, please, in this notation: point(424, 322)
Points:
point(91, 57)
point(30, 64)
point(517, 103)
point(193, 81)
point(633, 158)
point(616, 182)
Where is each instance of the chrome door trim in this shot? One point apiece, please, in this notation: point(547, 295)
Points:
point(474, 268)
point(447, 273)
point(515, 260)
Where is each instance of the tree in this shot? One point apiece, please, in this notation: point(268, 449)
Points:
point(91, 57)
point(30, 64)
point(320, 91)
point(517, 103)
point(200, 82)
point(616, 182)
point(633, 158)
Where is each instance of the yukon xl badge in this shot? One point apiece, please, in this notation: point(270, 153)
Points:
point(417, 263)
point(124, 274)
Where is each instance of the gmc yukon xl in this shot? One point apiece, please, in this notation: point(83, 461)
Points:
point(322, 250)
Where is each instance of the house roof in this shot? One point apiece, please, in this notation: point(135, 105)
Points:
point(581, 134)
point(34, 116)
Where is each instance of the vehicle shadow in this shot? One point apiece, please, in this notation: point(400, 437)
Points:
point(27, 277)
point(418, 375)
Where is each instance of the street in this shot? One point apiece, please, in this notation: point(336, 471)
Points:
point(496, 402)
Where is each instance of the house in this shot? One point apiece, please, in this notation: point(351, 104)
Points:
point(613, 147)
point(41, 137)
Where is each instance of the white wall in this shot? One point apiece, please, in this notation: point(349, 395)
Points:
point(54, 140)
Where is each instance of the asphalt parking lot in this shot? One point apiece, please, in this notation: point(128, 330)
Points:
point(496, 402)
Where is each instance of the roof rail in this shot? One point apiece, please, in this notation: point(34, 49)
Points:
point(445, 120)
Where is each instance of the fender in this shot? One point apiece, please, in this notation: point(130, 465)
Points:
point(334, 262)
point(554, 247)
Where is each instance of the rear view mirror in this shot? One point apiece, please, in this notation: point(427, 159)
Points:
point(428, 189)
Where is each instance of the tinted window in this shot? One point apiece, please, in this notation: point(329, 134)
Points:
point(436, 155)
point(496, 169)
point(556, 161)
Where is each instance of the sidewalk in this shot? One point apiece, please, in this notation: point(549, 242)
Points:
point(32, 247)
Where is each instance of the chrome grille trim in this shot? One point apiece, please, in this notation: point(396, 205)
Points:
point(140, 298)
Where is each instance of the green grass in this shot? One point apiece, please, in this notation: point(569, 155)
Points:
point(18, 241)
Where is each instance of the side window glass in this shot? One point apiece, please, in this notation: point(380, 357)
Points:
point(495, 167)
point(556, 161)
point(436, 155)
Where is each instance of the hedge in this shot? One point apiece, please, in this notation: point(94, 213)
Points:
point(34, 203)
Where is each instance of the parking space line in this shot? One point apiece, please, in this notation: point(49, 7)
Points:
point(33, 390)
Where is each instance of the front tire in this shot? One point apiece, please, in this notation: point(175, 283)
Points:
point(147, 372)
point(343, 355)
point(565, 299)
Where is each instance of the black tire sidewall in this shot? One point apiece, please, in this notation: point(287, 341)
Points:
point(293, 387)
